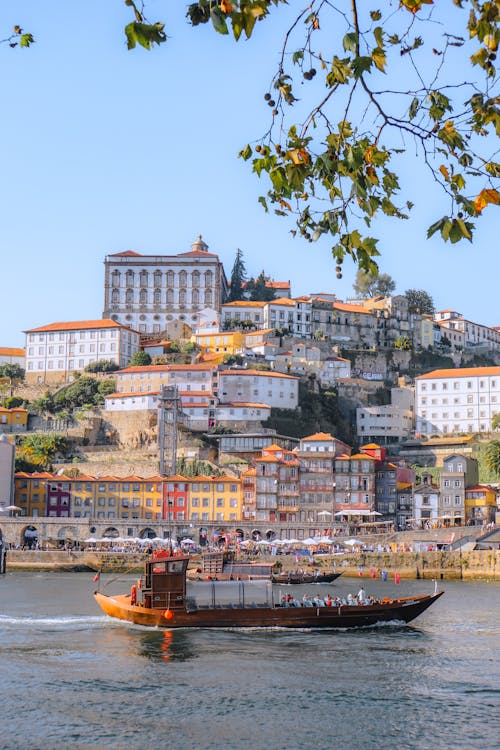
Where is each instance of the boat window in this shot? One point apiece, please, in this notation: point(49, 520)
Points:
point(176, 566)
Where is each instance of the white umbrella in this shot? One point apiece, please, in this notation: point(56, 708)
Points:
point(187, 541)
point(90, 540)
point(324, 513)
point(309, 542)
point(352, 542)
point(12, 507)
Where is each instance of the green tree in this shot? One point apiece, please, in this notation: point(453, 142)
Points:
point(140, 359)
point(102, 365)
point(12, 372)
point(370, 285)
point(12, 402)
point(37, 452)
point(419, 301)
point(495, 421)
point(492, 457)
point(84, 392)
point(258, 289)
point(238, 277)
point(403, 343)
point(375, 82)
point(105, 388)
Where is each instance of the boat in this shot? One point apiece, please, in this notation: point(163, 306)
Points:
point(224, 566)
point(159, 600)
point(294, 577)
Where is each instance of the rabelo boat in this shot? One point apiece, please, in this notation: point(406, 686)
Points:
point(159, 600)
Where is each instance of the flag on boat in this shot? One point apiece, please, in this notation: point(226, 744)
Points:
point(96, 577)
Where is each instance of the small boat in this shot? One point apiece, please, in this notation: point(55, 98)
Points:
point(159, 600)
point(294, 577)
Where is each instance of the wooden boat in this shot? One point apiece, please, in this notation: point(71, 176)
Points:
point(159, 600)
point(293, 577)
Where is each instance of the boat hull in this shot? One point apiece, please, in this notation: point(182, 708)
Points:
point(298, 578)
point(401, 610)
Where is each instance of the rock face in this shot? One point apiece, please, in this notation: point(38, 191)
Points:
point(133, 429)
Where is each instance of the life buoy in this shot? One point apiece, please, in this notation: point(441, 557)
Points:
point(168, 614)
point(133, 595)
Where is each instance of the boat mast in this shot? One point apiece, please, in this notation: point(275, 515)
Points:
point(169, 409)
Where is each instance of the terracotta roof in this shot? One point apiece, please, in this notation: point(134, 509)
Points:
point(244, 303)
point(371, 446)
point(318, 436)
point(282, 301)
point(132, 394)
point(278, 284)
point(460, 372)
point(165, 368)
point(78, 325)
point(197, 253)
point(264, 373)
point(6, 351)
point(403, 485)
point(363, 456)
point(250, 404)
point(344, 307)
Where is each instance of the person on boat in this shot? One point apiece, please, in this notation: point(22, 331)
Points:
point(306, 601)
point(318, 601)
point(361, 595)
point(351, 600)
point(328, 600)
point(283, 601)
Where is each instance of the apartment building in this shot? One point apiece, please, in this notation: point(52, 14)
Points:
point(258, 386)
point(12, 356)
point(475, 335)
point(55, 351)
point(462, 400)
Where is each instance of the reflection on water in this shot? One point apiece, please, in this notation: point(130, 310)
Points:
point(86, 681)
point(166, 645)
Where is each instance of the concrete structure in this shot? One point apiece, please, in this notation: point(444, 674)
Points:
point(55, 351)
point(7, 456)
point(151, 292)
point(463, 400)
point(390, 422)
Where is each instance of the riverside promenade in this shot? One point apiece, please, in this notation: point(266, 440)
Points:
point(477, 565)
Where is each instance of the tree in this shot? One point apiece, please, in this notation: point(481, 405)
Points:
point(140, 359)
point(495, 421)
point(238, 277)
point(492, 457)
point(36, 452)
point(375, 82)
point(258, 289)
point(369, 285)
point(403, 343)
point(419, 302)
point(102, 365)
point(12, 372)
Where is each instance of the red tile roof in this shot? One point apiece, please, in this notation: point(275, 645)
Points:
point(460, 372)
point(78, 325)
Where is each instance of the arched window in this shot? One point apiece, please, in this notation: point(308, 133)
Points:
point(157, 278)
point(157, 296)
point(182, 296)
point(129, 296)
point(144, 278)
point(195, 296)
point(129, 278)
point(208, 278)
point(208, 297)
point(143, 296)
point(195, 279)
point(115, 296)
point(170, 296)
point(170, 278)
point(182, 278)
point(115, 278)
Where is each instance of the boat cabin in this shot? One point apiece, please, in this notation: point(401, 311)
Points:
point(163, 584)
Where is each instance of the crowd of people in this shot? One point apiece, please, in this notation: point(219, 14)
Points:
point(351, 600)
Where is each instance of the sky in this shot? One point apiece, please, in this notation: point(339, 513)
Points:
point(105, 149)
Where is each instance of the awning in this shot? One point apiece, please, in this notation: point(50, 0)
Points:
point(357, 513)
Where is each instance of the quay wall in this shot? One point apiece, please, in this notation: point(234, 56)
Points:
point(441, 565)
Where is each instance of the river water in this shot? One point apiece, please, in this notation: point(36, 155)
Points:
point(72, 678)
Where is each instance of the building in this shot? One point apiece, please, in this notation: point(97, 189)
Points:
point(458, 473)
point(11, 356)
point(242, 314)
point(462, 400)
point(388, 423)
point(426, 502)
point(150, 293)
point(258, 386)
point(13, 420)
point(277, 490)
point(355, 486)
point(480, 504)
point(215, 499)
point(55, 351)
point(475, 336)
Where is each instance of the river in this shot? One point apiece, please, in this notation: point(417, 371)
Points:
point(73, 679)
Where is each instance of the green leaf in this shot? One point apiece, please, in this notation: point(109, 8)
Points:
point(413, 108)
point(378, 33)
point(379, 58)
point(144, 34)
point(298, 55)
point(375, 15)
point(26, 40)
point(350, 42)
point(263, 203)
point(360, 65)
point(246, 152)
point(219, 21)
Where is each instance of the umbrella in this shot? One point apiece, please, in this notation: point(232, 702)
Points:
point(11, 507)
point(90, 540)
point(324, 513)
point(352, 542)
point(187, 541)
point(309, 542)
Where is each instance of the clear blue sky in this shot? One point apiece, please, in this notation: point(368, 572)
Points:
point(104, 150)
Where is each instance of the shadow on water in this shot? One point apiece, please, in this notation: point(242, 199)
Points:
point(166, 645)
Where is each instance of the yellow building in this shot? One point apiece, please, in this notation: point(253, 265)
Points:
point(215, 499)
point(480, 504)
point(13, 420)
point(227, 342)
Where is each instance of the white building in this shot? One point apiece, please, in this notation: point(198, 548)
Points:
point(258, 386)
point(233, 314)
point(463, 400)
point(475, 335)
point(11, 356)
point(151, 292)
point(55, 351)
point(7, 455)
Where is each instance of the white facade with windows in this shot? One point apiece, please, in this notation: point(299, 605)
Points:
point(258, 386)
point(55, 351)
point(463, 400)
point(151, 292)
